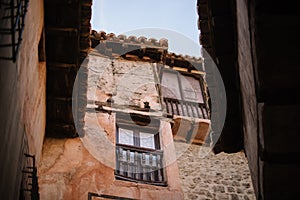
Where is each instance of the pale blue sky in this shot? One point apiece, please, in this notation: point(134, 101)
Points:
point(175, 20)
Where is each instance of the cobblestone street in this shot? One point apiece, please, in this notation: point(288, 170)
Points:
point(221, 176)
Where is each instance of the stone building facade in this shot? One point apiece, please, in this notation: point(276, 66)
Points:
point(241, 37)
point(23, 94)
point(27, 28)
point(126, 148)
point(254, 44)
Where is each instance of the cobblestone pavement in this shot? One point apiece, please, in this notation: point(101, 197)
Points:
point(220, 176)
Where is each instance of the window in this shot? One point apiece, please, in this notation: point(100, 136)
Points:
point(183, 94)
point(94, 196)
point(12, 22)
point(138, 154)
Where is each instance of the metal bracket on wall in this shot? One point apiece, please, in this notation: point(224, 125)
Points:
point(12, 22)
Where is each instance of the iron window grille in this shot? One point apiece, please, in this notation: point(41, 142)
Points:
point(12, 23)
point(138, 155)
point(183, 94)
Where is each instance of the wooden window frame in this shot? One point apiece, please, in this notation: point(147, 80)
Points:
point(200, 112)
point(137, 136)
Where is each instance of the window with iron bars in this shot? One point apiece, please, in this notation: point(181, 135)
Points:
point(139, 157)
point(12, 23)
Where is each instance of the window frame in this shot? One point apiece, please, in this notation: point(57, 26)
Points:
point(203, 107)
point(155, 176)
point(137, 137)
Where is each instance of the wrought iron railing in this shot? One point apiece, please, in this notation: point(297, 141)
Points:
point(185, 108)
point(29, 188)
point(140, 164)
point(12, 23)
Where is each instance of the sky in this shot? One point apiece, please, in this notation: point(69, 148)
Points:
point(175, 20)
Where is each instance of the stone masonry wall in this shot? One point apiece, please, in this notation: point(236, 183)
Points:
point(221, 176)
point(129, 82)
